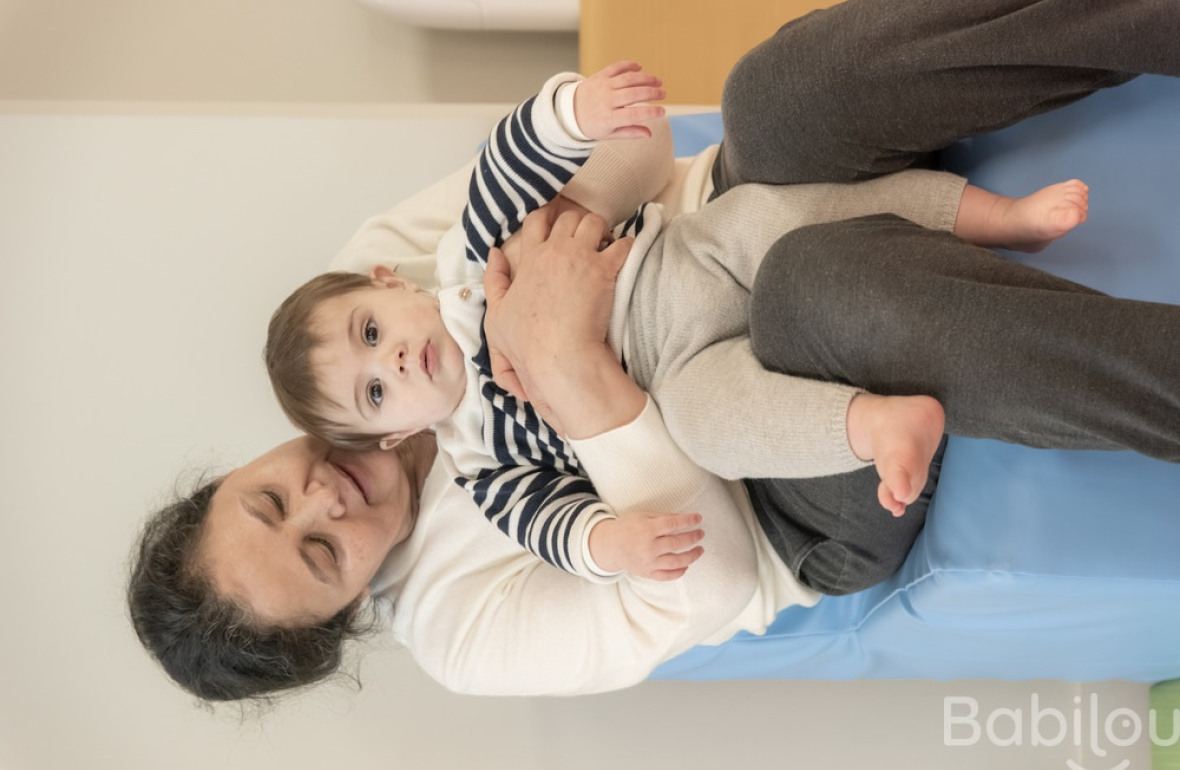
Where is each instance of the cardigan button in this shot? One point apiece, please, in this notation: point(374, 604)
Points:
point(465, 293)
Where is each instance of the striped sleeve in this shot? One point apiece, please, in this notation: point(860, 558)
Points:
point(547, 512)
point(529, 157)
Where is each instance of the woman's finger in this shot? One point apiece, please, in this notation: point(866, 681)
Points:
point(565, 225)
point(591, 230)
point(615, 255)
point(505, 376)
point(537, 226)
point(496, 277)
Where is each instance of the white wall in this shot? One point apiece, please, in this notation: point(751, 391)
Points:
point(142, 255)
point(259, 51)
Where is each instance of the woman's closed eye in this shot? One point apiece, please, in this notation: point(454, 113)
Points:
point(326, 546)
point(277, 502)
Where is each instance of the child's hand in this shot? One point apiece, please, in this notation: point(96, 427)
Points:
point(607, 105)
point(657, 546)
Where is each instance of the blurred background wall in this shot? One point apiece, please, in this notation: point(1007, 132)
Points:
point(260, 51)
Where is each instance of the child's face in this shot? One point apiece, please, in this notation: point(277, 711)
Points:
point(386, 359)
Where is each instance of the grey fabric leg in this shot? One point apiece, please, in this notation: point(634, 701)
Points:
point(870, 87)
point(1012, 353)
point(832, 533)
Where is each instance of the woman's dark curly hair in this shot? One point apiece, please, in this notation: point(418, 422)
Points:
point(209, 645)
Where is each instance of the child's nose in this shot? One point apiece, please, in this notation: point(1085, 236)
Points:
point(399, 359)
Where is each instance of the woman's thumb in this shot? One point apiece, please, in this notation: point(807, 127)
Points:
point(496, 278)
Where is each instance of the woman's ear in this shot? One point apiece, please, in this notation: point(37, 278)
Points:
point(383, 276)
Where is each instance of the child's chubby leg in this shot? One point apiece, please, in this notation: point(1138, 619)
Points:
point(1024, 224)
point(900, 434)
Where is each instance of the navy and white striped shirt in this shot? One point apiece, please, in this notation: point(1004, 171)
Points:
point(535, 490)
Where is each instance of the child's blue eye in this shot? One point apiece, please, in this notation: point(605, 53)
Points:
point(376, 393)
point(369, 333)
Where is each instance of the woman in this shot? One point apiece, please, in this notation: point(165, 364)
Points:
point(482, 617)
point(262, 600)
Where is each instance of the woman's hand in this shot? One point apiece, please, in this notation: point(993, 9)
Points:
point(609, 103)
point(556, 300)
point(546, 325)
point(656, 546)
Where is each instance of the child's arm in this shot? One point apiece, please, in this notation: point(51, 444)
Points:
point(619, 175)
point(533, 152)
point(559, 518)
point(655, 546)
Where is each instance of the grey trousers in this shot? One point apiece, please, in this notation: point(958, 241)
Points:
point(870, 87)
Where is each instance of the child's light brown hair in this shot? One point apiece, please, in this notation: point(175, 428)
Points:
point(289, 343)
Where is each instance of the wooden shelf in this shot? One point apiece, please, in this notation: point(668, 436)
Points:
point(691, 44)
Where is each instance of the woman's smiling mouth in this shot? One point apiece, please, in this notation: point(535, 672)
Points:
point(353, 478)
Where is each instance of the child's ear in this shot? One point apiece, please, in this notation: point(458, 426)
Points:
point(383, 276)
point(391, 440)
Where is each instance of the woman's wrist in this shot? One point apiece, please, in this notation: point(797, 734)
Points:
point(587, 390)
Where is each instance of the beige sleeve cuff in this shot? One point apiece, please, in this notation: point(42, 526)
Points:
point(623, 174)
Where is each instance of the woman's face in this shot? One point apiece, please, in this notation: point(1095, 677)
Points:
point(297, 534)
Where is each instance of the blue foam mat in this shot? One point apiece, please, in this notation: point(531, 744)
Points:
point(1034, 563)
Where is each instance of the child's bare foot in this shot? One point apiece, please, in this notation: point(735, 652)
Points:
point(901, 435)
point(1033, 222)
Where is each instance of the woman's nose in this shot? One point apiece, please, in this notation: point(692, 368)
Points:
point(321, 500)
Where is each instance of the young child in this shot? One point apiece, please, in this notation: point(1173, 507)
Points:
point(368, 360)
